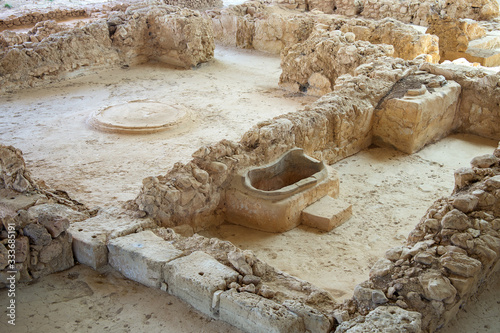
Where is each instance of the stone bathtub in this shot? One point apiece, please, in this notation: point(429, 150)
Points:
point(272, 197)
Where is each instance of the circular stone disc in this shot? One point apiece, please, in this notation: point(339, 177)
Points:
point(137, 117)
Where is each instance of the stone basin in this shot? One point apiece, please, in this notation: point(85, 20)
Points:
point(271, 197)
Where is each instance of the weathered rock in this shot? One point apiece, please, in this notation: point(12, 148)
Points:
point(251, 279)
point(484, 161)
point(390, 319)
point(381, 268)
point(456, 220)
point(460, 264)
point(465, 203)
point(37, 234)
point(13, 173)
point(49, 213)
point(55, 225)
point(265, 315)
point(238, 260)
point(4, 257)
point(196, 278)
point(464, 176)
point(314, 320)
point(22, 249)
point(437, 287)
point(311, 60)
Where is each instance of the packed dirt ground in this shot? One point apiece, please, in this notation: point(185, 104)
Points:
point(224, 98)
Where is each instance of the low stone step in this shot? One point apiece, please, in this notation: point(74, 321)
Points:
point(326, 213)
point(141, 257)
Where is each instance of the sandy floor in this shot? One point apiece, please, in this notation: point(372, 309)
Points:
point(82, 300)
point(390, 192)
point(225, 97)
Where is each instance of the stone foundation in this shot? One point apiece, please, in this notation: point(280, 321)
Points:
point(33, 232)
point(142, 33)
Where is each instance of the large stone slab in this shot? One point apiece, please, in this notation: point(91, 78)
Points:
point(326, 213)
point(196, 278)
point(141, 257)
point(254, 314)
point(90, 236)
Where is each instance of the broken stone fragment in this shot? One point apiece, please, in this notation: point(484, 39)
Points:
point(383, 317)
point(484, 161)
point(4, 256)
point(456, 220)
point(460, 264)
point(22, 249)
point(238, 260)
point(38, 234)
point(251, 279)
point(50, 252)
point(394, 253)
point(266, 291)
point(437, 287)
point(249, 288)
point(464, 176)
point(381, 268)
point(493, 182)
point(465, 203)
point(54, 224)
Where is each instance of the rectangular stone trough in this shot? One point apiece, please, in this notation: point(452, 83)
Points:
point(271, 197)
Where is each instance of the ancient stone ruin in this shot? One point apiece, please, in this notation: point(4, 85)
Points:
point(371, 76)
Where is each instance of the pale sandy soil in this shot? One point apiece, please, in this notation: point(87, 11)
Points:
point(389, 190)
point(225, 97)
point(82, 300)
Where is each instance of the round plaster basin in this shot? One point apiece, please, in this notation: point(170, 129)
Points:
point(138, 117)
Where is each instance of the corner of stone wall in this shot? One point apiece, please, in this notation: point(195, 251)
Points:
point(449, 256)
point(33, 223)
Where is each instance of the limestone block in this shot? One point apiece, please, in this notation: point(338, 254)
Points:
point(455, 220)
point(437, 287)
point(314, 321)
point(90, 236)
point(196, 278)
point(90, 249)
point(14, 201)
point(326, 213)
point(387, 319)
point(141, 257)
point(254, 314)
point(55, 210)
point(411, 122)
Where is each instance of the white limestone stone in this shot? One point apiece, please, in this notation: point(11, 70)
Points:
point(196, 278)
point(141, 257)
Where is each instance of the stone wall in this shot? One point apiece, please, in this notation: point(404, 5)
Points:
point(336, 126)
point(33, 223)
point(452, 252)
point(31, 17)
point(408, 43)
point(454, 35)
point(479, 100)
point(419, 12)
point(313, 67)
point(180, 37)
point(253, 25)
